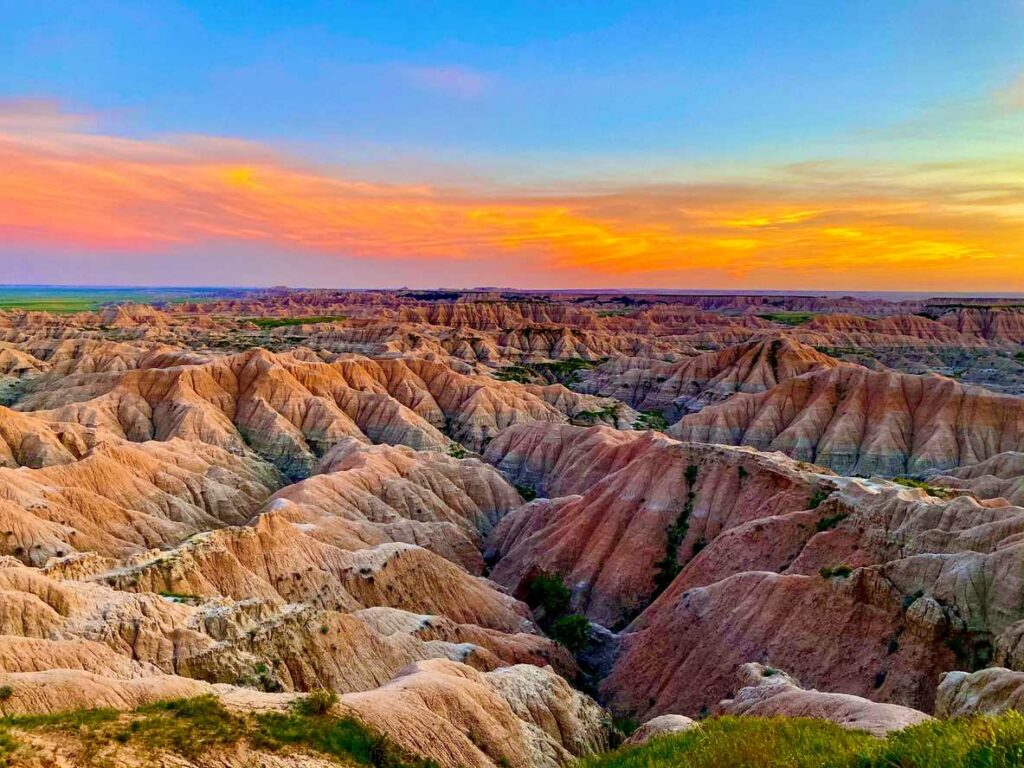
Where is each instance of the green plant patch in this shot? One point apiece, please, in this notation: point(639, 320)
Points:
point(193, 727)
point(284, 322)
point(751, 742)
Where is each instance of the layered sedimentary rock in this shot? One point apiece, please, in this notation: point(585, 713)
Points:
point(905, 330)
point(292, 408)
point(155, 548)
point(120, 497)
point(275, 560)
point(688, 385)
point(874, 593)
point(662, 725)
point(656, 504)
point(768, 692)
point(1001, 476)
point(368, 495)
point(864, 422)
point(521, 716)
point(985, 692)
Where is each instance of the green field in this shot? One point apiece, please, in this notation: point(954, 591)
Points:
point(65, 299)
point(788, 318)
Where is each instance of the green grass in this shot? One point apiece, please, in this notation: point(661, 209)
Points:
point(284, 322)
point(931, 490)
point(735, 742)
point(565, 372)
point(788, 318)
point(818, 498)
point(457, 451)
point(56, 305)
point(651, 420)
point(193, 727)
point(516, 373)
point(838, 571)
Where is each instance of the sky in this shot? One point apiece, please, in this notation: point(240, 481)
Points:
point(687, 144)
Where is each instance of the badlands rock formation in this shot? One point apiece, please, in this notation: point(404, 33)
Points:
point(768, 692)
point(1001, 476)
point(292, 408)
point(866, 422)
point(677, 388)
point(662, 725)
point(608, 532)
point(273, 492)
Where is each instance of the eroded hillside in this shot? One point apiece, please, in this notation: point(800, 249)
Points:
point(489, 522)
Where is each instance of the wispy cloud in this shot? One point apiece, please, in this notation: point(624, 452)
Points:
point(956, 225)
point(41, 116)
point(461, 82)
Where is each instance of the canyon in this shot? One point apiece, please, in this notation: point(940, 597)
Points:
point(498, 525)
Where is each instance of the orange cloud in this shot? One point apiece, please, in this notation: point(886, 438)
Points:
point(954, 228)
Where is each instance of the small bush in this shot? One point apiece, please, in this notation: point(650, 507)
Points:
point(651, 420)
point(830, 522)
point(6, 691)
point(316, 703)
point(818, 498)
point(839, 571)
point(529, 493)
point(457, 451)
point(549, 592)
point(573, 632)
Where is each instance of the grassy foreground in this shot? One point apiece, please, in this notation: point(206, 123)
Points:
point(191, 728)
point(739, 742)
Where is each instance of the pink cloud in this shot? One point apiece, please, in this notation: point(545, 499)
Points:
point(40, 115)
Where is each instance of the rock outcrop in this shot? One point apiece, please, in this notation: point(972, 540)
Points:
point(768, 692)
point(863, 422)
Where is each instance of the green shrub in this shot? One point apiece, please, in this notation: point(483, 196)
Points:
point(527, 492)
point(6, 691)
point(831, 521)
point(669, 567)
point(549, 592)
point(315, 703)
point(651, 420)
point(572, 631)
point(839, 571)
point(818, 498)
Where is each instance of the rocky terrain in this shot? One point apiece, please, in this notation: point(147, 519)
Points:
point(497, 527)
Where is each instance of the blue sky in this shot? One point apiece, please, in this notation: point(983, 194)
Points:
point(875, 118)
point(560, 83)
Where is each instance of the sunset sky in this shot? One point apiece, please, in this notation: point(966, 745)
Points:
point(732, 145)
